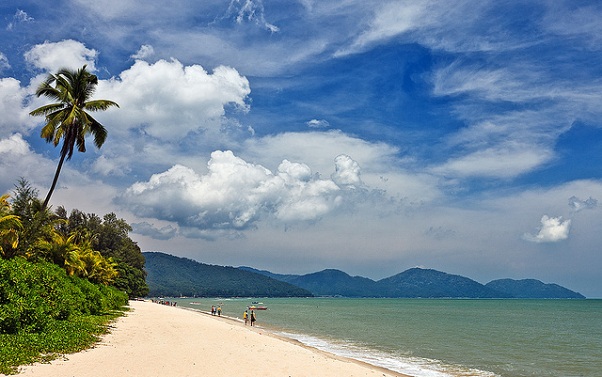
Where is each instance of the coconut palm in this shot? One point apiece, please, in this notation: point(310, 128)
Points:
point(68, 119)
point(10, 224)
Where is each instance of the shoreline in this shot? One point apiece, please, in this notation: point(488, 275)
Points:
point(165, 341)
point(270, 332)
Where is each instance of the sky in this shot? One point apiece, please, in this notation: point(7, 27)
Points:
point(295, 136)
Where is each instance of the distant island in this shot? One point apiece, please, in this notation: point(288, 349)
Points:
point(168, 275)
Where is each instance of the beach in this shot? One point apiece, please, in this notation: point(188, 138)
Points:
point(166, 341)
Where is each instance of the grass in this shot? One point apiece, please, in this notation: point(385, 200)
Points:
point(59, 338)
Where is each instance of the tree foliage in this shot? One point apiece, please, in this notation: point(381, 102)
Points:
point(84, 245)
point(69, 120)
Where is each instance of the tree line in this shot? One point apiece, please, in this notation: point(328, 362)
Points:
point(85, 245)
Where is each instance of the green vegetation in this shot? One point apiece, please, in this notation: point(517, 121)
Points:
point(173, 276)
point(68, 119)
point(62, 277)
point(45, 312)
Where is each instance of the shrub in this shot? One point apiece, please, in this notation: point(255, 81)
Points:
point(32, 295)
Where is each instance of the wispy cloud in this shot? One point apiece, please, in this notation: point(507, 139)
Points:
point(251, 11)
point(578, 205)
point(20, 17)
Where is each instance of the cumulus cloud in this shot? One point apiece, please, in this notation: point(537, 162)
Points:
point(233, 195)
point(553, 229)
point(15, 115)
point(167, 100)
point(18, 160)
point(347, 172)
point(52, 56)
point(577, 204)
point(315, 123)
point(145, 51)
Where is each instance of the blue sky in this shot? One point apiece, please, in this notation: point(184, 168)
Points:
point(295, 136)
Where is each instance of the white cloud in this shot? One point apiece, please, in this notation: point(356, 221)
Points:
point(390, 19)
point(553, 229)
point(17, 160)
point(347, 172)
point(145, 51)
point(507, 160)
point(381, 166)
point(70, 54)
point(315, 123)
point(15, 115)
point(168, 100)
point(252, 11)
point(14, 145)
point(233, 195)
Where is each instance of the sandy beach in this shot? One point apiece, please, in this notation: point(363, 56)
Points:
point(163, 341)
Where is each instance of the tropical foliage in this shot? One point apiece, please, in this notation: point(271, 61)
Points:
point(45, 312)
point(85, 245)
point(69, 120)
point(60, 276)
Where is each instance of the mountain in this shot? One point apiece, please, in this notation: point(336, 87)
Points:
point(418, 282)
point(168, 275)
point(334, 282)
point(328, 282)
point(281, 277)
point(531, 288)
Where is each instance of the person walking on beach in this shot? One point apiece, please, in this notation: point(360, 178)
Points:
point(245, 316)
point(253, 318)
point(219, 311)
point(212, 309)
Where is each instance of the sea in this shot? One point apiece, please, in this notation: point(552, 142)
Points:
point(439, 337)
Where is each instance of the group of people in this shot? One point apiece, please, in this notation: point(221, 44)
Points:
point(217, 310)
point(249, 317)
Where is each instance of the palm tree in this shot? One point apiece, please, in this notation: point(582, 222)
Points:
point(68, 119)
point(10, 225)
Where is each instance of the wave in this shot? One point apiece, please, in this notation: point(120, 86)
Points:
point(408, 365)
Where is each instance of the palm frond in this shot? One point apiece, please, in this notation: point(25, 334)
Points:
point(47, 109)
point(100, 104)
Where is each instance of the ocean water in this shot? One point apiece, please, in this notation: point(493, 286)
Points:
point(441, 337)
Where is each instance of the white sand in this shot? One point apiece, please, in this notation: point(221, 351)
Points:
point(163, 341)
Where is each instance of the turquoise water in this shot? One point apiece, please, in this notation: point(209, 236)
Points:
point(438, 338)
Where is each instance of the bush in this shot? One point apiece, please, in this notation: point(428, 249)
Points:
point(32, 295)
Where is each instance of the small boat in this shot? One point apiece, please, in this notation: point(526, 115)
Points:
point(253, 307)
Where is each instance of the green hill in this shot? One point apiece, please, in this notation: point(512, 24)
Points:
point(418, 282)
point(531, 288)
point(168, 275)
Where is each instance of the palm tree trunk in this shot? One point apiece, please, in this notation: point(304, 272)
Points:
point(56, 178)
